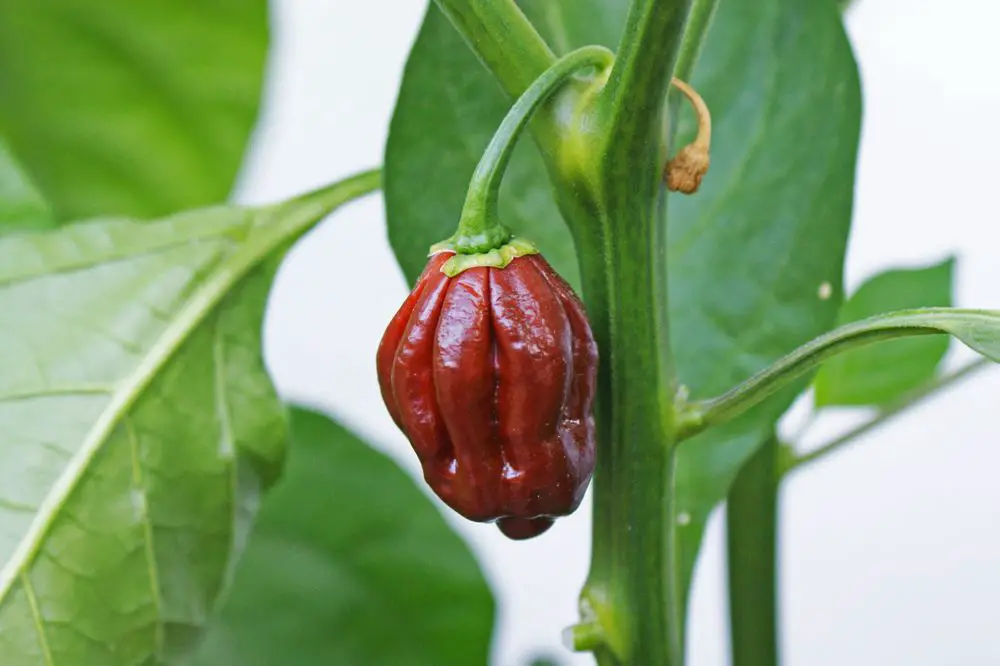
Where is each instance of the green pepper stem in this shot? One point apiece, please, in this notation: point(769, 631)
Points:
point(479, 228)
point(699, 19)
point(751, 554)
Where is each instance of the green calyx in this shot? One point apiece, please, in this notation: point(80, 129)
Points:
point(497, 257)
point(475, 239)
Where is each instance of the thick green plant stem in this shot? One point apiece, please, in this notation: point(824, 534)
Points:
point(635, 72)
point(751, 549)
point(503, 38)
point(480, 229)
point(606, 162)
point(632, 591)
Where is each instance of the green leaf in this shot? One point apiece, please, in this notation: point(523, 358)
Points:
point(748, 254)
point(447, 111)
point(751, 252)
point(351, 564)
point(137, 424)
point(882, 373)
point(130, 108)
point(21, 206)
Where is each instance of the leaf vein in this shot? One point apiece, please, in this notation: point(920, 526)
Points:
point(38, 620)
point(147, 527)
point(66, 390)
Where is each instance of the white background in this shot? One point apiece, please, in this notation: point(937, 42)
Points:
point(889, 550)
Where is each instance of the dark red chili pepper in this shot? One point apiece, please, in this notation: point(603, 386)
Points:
point(491, 376)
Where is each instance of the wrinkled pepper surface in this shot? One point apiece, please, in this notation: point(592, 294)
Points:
point(491, 375)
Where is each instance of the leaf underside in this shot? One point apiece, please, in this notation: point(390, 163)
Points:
point(137, 426)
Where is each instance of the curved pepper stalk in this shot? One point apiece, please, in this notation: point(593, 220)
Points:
point(491, 375)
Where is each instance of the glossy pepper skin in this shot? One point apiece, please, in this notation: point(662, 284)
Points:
point(491, 376)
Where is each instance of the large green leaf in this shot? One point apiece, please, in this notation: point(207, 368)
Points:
point(130, 108)
point(756, 258)
point(883, 373)
point(137, 425)
point(749, 255)
point(21, 205)
point(351, 564)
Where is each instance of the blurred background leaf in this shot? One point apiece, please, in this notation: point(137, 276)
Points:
point(21, 205)
point(351, 564)
point(879, 374)
point(544, 660)
point(130, 108)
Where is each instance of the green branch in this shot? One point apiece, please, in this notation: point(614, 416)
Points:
point(702, 13)
point(633, 101)
point(503, 38)
point(979, 329)
point(613, 207)
point(888, 413)
point(752, 551)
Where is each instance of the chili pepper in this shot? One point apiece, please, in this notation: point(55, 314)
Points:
point(489, 367)
point(491, 376)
